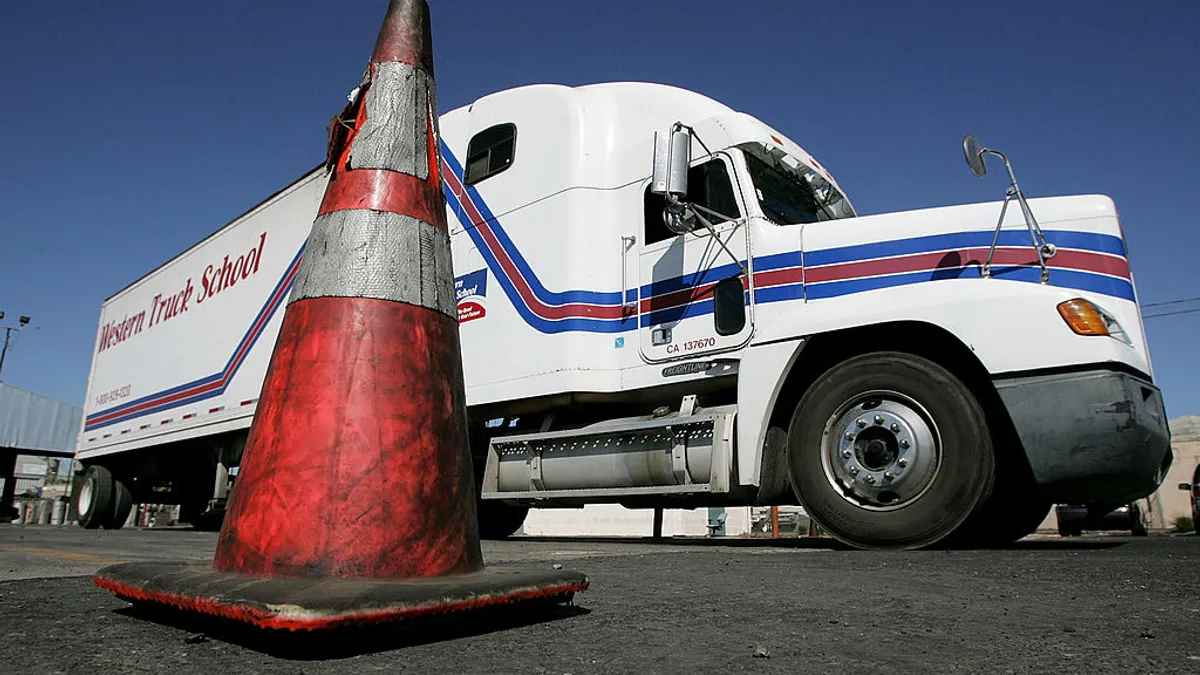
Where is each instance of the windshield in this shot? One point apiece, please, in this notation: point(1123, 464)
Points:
point(786, 199)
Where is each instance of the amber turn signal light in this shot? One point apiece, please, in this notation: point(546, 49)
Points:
point(1083, 317)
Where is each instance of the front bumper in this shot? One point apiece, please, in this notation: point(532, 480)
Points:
point(1091, 437)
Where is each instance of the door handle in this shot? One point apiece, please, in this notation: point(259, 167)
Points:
point(627, 242)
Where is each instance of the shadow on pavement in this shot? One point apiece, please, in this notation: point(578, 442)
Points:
point(355, 641)
point(1064, 545)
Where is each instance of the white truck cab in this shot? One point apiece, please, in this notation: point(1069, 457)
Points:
point(664, 302)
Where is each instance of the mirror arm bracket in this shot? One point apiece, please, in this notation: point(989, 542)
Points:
point(1043, 248)
point(713, 233)
point(680, 126)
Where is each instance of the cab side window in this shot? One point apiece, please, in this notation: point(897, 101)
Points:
point(708, 186)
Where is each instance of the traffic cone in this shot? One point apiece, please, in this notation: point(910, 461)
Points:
point(355, 501)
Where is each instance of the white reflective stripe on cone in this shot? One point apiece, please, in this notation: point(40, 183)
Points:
point(376, 254)
point(395, 133)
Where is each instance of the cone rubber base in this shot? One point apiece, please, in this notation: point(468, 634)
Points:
point(310, 604)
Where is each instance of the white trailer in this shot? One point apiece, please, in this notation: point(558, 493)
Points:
point(732, 334)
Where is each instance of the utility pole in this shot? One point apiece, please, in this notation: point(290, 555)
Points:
point(22, 321)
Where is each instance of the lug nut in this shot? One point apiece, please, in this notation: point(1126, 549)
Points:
point(849, 436)
point(904, 443)
point(860, 422)
point(902, 462)
point(879, 419)
point(887, 475)
point(895, 428)
point(847, 454)
point(854, 471)
point(870, 479)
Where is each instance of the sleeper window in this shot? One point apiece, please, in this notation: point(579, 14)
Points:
point(490, 152)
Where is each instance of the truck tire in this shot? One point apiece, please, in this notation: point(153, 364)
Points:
point(1070, 531)
point(1002, 521)
point(122, 505)
point(890, 450)
point(100, 500)
point(93, 498)
point(1012, 512)
point(192, 484)
point(498, 520)
point(1138, 526)
point(208, 521)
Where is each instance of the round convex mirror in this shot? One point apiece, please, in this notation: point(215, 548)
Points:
point(973, 151)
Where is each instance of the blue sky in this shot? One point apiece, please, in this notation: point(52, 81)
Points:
point(133, 129)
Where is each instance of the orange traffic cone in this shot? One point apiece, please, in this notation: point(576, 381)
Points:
point(355, 501)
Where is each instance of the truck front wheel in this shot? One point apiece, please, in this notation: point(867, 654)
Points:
point(1014, 511)
point(890, 450)
point(101, 500)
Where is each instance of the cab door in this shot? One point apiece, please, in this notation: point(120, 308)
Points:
point(692, 298)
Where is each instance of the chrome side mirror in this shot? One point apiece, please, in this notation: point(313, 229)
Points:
point(973, 151)
point(672, 155)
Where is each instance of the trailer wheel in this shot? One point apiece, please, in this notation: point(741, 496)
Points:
point(93, 497)
point(498, 520)
point(101, 500)
point(122, 505)
point(207, 520)
point(890, 450)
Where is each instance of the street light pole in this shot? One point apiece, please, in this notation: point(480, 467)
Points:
point(23, 321)
point(7, 332)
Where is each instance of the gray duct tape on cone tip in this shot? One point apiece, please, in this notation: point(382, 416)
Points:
point(376, 254)
point(395, 133)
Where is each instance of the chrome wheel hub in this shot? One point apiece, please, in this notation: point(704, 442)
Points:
point(85, 498)
point(881, 450)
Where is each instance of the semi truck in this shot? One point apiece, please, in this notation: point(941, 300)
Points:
point(664, 302)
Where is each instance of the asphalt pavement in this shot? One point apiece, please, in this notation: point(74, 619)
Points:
point(1089, 605)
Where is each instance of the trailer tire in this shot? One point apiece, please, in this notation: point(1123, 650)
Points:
point(1070, 531)
point(122, 505)
point(890, 450)
point(100, 500)
point(208, 521)
point(93, 497)
point(499, 520)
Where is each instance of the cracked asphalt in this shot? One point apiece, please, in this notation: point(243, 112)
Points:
point(1088, 605)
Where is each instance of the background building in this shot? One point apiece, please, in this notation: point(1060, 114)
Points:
point(1170, 503)
point(37, 446)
